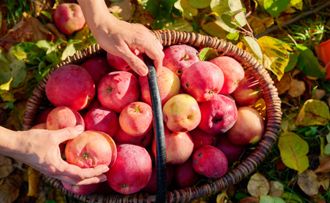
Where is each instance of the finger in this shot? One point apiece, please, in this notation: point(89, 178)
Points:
point(83, 173)
point(69, 133)
point(97, 179)
point(156, 53)
point(133, 61)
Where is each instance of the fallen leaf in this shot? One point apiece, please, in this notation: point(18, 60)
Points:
point(283, 86)
point(293, 150)
point(308, 182)
point(6, 166)
point(297, 88)
point(324, 166)
point(269, 199)
point(33, 181)
point(291, 198)
point(313, 112)
point(9, 188)
point(276, 189)
point(222, 197)
point(258, 185)
point(324, 181)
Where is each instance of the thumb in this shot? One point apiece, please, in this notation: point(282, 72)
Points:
point(69, 133)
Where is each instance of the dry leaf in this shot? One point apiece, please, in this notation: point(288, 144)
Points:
point(283, 85)
point(324, 182)
point(318, 94)
point(313, 112)
point(33, 180)
point(276, 189)
point(9, 188)
point(297, 88)
point(324, 166)
point(222, 197)
point(308, 182)
point(6, 166)
point(258, 185)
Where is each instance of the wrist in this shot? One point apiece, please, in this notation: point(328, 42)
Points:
point(11, 142)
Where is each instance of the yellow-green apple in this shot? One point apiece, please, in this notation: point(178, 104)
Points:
point(102, 119)
point(90, 149)
point(168, 85)
point(248, 128)
point(248, 92)
point(179, 57)
point(132, 170)
point(181, 113)
point(63, 117)
point(233, 73)
point(68, 18)
point(117, 89)
point(136, 118)
point(210, 161)
point(218, 114)
point(179, 147)
point(71, 86)
point(202, 80)
point(97, 67)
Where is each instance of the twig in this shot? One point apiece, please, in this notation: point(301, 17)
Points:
point(298, 17)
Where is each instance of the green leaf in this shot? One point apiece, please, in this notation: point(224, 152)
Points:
point(275, 7)
point(269, 199)
point(328, 137)
point(186, 9)
point(253, 46)
point(68, 51)
point(276, 55)
point(199, 4)
point(179, 24)
point(327, 149)
point(214, 28)
point(308, 63)
point(207, 54)
point(293, 60)
point(313, 112)
point(18, 72)
point(293, 150)
point(291, 198)
point(233, 36)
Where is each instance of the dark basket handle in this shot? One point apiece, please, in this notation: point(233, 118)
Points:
point(158, 131)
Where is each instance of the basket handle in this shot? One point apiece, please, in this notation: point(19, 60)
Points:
point(159, 131)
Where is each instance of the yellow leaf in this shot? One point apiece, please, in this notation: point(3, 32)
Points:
point(6, 86)
point(313, 112)
point(33, 181)
point(214, 29)
point(293, 150)
point(298, 4)
point(276, 54)
point(260, 23)
point(187, 10)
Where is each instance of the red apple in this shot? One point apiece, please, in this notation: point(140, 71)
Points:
point(102, 119)
point(184, 175)
point(63, 117)
point(323, 51)
point(71, 86)
point(180, 57)
point(218, 115)
point(81, 189)
point(122, 137)
point(90, 149)
point(136, 118)
point(181, 113)
point(152, 184)
point(120, 64)
point(247, 93)
point(132, 170)
point(117, 89)
point(248, 128)
point(201, 138)
point(179, 147)
point(233, 73)
point(97, 67)
point(42, 116)
point(232, 151)
point(168, 85)
point(210, 161)
point(68, 18)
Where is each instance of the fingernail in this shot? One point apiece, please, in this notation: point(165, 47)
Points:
point(104, 168)
point(80, 127)
point(143, 71)
point(103, 178)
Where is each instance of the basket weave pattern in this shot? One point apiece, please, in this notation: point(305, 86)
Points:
point(243, 169)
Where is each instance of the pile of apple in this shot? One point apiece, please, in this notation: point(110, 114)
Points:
point(207, 114)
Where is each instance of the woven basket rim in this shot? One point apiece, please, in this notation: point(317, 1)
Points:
point(233, 176)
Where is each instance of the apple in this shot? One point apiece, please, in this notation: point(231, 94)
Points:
point(232, 151)
point(132, 170)
point(81, 189)
point(184, 174)
point(39, 126)
point(97, 67)
point(248, 128)
point(218, 115)
point(71, 86)
point(102, 119)
point(179, 147)
point(69, 18)
point(233, 73)
point(168, 85)
point(122, 137)
point(181, 113)
point(202, 80)
point(247, 93)
point(90, 149)
point(120, 64)
point(117, 89)
point(42, 116)
point(180, 57)
point(210, 162)
point(63, 117)
point(152, 184)
point(201, 138)
point(323, 51)
point(136, 118)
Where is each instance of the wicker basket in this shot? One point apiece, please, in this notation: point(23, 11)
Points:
point(235, 175)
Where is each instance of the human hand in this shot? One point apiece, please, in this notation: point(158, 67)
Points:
point(40, 150)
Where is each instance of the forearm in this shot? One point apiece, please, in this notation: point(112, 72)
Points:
point(10, 142)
